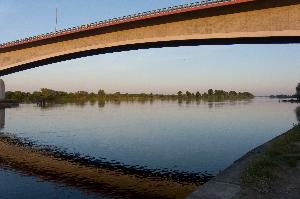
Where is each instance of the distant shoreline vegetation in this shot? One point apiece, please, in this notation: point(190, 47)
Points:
point(282, 96)
point(46, 95)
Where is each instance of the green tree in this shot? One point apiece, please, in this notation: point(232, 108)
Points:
point(48, 94)
point(101, 93)
point(18, 95)
point(179, 93)
point(36, 96)
point(210, 91)
point(188, 93)
point(232, 93)
point(9, 95)
point(82, 93)
point(246, 95)
point(205, 95)
point(198, 95)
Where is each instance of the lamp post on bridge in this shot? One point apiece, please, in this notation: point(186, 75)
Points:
point(56, 19)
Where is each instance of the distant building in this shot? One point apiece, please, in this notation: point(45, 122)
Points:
point(298, 90)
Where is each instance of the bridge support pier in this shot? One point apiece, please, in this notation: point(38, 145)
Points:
point(2, 118)
point(2, 90)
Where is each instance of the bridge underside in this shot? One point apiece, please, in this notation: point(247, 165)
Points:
point(256, 22)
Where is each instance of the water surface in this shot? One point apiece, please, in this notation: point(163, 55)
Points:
point(194, 139)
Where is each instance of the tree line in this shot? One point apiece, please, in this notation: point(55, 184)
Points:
point(48, 95)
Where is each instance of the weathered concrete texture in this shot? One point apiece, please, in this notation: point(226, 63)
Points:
point(256, 21)
point(227, 185)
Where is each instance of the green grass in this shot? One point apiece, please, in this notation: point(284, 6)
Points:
point(283, 151)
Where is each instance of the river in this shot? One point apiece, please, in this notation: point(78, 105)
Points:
point(184, 143)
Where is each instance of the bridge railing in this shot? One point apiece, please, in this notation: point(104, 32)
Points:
point(117, 20)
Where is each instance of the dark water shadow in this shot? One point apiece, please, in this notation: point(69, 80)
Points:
point(96, 175)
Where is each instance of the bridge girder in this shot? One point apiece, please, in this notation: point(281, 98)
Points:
point(253, 22)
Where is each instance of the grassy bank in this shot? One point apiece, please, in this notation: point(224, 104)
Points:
point(283, 153)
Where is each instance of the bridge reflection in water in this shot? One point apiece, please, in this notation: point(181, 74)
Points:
point(92, 175)
point(2, 118)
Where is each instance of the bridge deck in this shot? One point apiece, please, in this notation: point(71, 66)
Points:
point(126, 19)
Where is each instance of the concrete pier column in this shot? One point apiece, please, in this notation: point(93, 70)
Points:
point(298, 91)
point(2, 90)
point(2, 118)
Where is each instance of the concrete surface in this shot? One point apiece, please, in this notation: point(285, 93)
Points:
point(227, 184)
point(251, 22)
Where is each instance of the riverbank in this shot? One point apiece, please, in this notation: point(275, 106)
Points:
point(292, 100)
point(8, 104)
point(271, 171)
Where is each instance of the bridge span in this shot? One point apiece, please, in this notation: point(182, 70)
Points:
point(204, 23)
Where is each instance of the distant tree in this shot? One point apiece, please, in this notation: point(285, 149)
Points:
point(101, 93)
point(246, 95)
point(220, 93)
point(205, 95)
point(188, 93)
point(36, 96)
point(48, 94)
point(82, 93)
point(179, 93)
point(9, 95)
point(92, 94)
point(232, 93)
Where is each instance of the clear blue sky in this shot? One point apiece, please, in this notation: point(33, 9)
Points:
point(260, 69)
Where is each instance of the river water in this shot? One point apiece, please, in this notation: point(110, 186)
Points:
point(167, 140)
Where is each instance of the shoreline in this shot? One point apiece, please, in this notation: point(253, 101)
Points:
point(9, 104)
point(229, 183)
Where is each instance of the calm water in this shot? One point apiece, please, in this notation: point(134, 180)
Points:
point(188, 140)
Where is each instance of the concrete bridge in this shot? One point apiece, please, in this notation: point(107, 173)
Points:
point(212, 22)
